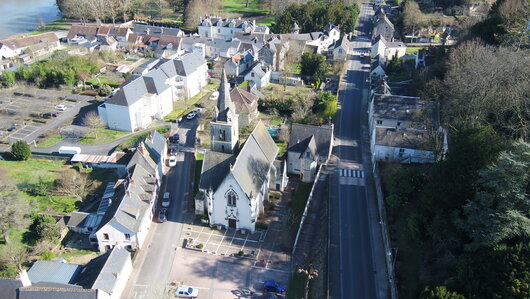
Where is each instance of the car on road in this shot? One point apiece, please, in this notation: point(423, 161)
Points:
point(172, 161)
point(166, 200)
point(175, 138)
point(162, 216)
point(191, 115)
point(173, 150)
point(214, 96)
point(273, 286)
point(61, 107)
point(186, 292)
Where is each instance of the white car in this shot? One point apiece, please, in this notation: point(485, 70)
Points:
point(172, 161)
point(214, 96)
point(60, 107)
point(166, 200)
point(191, 115)
point(186, 292)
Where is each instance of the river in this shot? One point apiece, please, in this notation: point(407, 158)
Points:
point(19, 16)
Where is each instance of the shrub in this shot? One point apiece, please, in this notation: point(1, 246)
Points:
point(104, 90)
point(43, 228)
point(47, 255)
point(8, 78)
point(20, 150)
point(200, 246)
point(241, 253)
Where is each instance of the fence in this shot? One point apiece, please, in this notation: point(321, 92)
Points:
point(389, 256)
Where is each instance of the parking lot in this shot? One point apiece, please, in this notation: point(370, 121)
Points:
point(228, 242)
point(21, 112)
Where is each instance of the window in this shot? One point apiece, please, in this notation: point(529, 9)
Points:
point(129, 248)
point(222, 135)
point(307, 155)
point(231, 197)
point(218, 30)
point(107, 247)
point(105, 236)
point(401, 150)
point(127, 237)
point(252, 74)
point(379, 122)
point(399, 123)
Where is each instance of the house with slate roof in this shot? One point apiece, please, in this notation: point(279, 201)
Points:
point(36, 45)
point(259, 74)
point(126, 220)
point(309, 147)
point(103, 277)
point(339, 50)
point(141, 99)
point(224, 28)
point(246, 105)
point(405, 129)
point(384, 27)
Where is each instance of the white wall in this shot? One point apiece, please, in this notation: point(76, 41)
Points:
point(390, 52)
point(119, 118)
point(116, 234)
point(383, 153)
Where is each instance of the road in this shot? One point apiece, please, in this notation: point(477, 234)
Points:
point(357, 268)
point(155, 271)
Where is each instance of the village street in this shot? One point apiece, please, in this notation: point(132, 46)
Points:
point(357, 268)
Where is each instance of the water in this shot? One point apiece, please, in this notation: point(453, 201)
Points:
point(19, 16)
point(273, 131)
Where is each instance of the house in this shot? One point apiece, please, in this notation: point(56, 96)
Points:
point(387, 50)
point(232, 188)
point(6, 52)
point(35, 45)
point(150, 96)
point(273, 53)
point(309, 147)
point(340, 49)
point(377, 70)
point(79, 33)
point(405, 129)
point(238, 63)
point(383, 27)
point(159, 31)
point(84, 223)
point(224, 28)
point(156, 145)
point(259, 74)
point(169, 46)
point(116, 160)
point(104, 277)
point(127, 218)
point(219, 47)
point(246, 105)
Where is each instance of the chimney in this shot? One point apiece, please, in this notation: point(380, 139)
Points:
point(141, 148)
point(24, 278)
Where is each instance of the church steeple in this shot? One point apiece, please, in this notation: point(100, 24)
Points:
point(225, 105)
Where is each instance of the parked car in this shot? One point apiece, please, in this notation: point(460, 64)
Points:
point(173, 150)
point(166, 200)
point(172, 161)
point(191, 115)
point(60, 107)
point(175, 138)
point(214, 96)
point(49, 115)
point(162, 216)
point(273, 286)
point(12, 128)
point(186, 292)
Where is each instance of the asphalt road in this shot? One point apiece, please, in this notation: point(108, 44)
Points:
point(156, 269)
point(352, 270)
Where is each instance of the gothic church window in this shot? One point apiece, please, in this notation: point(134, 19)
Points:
point(231, 198)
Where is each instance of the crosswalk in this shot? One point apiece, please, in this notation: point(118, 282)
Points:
point(351, 173)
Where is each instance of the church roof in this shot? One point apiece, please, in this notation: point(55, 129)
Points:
point(254, 161)
point(215, 167)
point(224, 103)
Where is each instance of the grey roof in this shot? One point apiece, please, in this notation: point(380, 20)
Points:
point(403, 108)
point(342, 42)
point(156, 30)
point(90, 272)
point(117, 260)
point(224, 102)
point(381, 38)
point(77, 219)
point(410, 138)
point(9, 288)
point(189, 63)
point(155, 81)
point(56, 292)
point(215, 167)
point(225, 22)
point(130, 92)
point(301, 135)
point(255, 160)
point(48, 271)
point(156, 144)
point(224, 45)
point(312, 146)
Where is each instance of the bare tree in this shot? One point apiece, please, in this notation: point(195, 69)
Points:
point(310, 273)
point(83, 75)
point(15, 254)
point(290, 61)
point(413, 18)
point(93, 121)
point(74, 183)
point(302, 106)
point(12, 209)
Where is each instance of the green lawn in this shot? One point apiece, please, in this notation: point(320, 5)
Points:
point(77, 256)
point(299, 199)
point(53, 204)
point(59, 24)
point(182, 108)
point(282, 148)
point(276, 120)
point(412, 50)
point(134, 140)
point(99, 80)
point(103, 136)
point(50, 140)
point(266, 21)
point(239, 6)
point(28, 172)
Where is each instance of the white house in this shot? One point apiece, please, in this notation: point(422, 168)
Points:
point(232, 189)
point(405, 129)
point(6, 52)
point(156, 144)
point(36, 45)
point(217, 27)
point(309, 147)
point(128, 216)
point(114, 274)
point(387, 50)
point(340, 49)
point(259, 74)
point(150, 96)
point(377, 70)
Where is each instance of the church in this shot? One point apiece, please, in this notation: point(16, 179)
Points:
point(235, 182)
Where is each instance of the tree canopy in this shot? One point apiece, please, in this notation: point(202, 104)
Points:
point(20, 150)
point(313, 66)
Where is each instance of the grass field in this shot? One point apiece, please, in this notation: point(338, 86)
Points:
point(103, 80)
point(412, 50)
point(240, 7)
point(103, 136)
point(29, 172)
point(276, 120)
point(266, 21)
point(59, 24)
point(50, 140)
